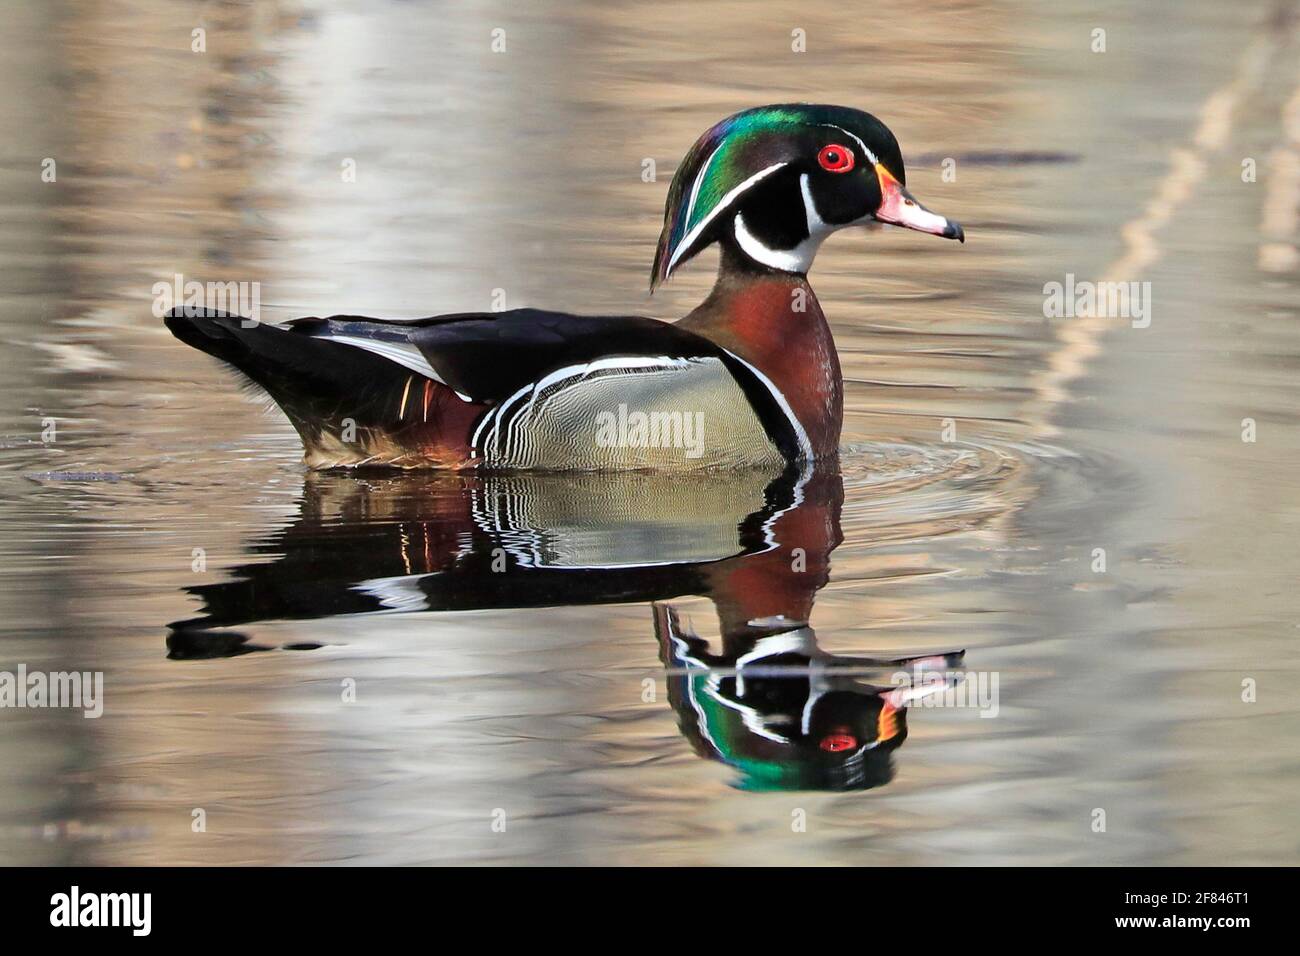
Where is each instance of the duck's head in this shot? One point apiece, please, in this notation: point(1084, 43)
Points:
point(775, 181)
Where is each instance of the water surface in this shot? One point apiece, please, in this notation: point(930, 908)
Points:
point(587, 693)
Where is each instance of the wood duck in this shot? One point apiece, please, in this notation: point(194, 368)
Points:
point(749, 378)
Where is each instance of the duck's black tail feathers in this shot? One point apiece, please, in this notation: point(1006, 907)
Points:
point(320, 385)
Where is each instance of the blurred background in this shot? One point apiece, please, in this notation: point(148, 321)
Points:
point(1169, 155)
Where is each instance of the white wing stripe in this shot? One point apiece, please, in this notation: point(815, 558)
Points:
point(403, 353)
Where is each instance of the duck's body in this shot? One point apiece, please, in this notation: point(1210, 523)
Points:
point(523, 389)
point(749, 378)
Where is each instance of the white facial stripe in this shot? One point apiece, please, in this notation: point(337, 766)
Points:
point(689, 239)
point(699, 179)
point(869, 154)
point(816, 225)
point(795, 260)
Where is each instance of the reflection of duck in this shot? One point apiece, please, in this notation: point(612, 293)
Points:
point(442, 541)
point(758, 545)
point(750, 377)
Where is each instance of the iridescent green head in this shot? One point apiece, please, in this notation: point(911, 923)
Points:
point(776, 180)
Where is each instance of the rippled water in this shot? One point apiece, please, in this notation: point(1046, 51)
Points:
point(588, 693)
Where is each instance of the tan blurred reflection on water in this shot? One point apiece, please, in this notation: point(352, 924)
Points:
point(521, 171)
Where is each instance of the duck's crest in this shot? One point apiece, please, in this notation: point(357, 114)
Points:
point(729, 159)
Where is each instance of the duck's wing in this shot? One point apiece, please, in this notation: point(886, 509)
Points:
point(488, 356)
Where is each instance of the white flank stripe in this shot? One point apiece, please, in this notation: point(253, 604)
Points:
point(630, 363)
point(505, 406)
point(805, 446)
point(473, 442)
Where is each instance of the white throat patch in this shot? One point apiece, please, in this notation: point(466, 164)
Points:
point(798, 259)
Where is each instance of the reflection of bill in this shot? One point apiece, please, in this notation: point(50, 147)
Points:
point(922, 687)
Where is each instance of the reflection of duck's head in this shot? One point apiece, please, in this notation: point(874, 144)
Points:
point(784, 713)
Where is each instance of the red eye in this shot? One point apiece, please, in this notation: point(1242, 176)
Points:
point(837, 743)
point(835, 158)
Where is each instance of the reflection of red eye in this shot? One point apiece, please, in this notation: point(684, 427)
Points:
point(835, 158)
point(835, 743)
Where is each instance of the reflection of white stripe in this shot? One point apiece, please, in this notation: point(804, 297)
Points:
point(795, 641)
point(691, 236)
point(796, 499)
point(712, 680)
point(684, 653)
point(400, 593)
point(749, 716)
point(805, 446)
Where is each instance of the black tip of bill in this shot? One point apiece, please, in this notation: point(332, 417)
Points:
point(954, 231)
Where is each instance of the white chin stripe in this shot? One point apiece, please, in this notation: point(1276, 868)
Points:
point(798, 259)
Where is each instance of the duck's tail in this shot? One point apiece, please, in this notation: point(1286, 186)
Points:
point(350, 406)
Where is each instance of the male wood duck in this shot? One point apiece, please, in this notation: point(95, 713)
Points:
point(749, 378)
